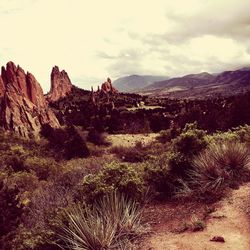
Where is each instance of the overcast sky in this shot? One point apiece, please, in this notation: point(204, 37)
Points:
point(94, 39)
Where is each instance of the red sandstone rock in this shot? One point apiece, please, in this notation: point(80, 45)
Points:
point(107, 87)
point(60, 85)
point(2, 87)
point(35, 91)
point(23, 107)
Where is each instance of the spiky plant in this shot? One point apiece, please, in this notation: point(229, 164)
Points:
point(111, 221)
point(123, 212)
point(218, 165)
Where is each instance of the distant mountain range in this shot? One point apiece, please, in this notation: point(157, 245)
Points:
point(135, 82)
point(193, 85)
point(188, 81)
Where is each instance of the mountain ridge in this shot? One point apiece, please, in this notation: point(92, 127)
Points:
point(202, 84)
point(134, 82)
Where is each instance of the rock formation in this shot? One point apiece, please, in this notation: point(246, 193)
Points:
point(23, 108)
point(103, 94)
point(107, 87)
point(60, 85)
point(2, 87)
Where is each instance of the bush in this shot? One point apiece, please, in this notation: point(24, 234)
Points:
point(122, 177)
point(167, 135)
point(179, 164)
point(158, 178)
point(98, 138)
point(191, 141)
point(110, 224)
point(130, 154)
point(67, 143)
point(42, 167)
point(74, 145)
point(238, 134)
point(188, 144)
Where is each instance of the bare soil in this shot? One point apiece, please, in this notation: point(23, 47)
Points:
point(129, 140)
point(228, 218)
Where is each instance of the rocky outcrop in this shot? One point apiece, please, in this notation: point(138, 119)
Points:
point(104, 95)
point(23, 108)
point(60, 85)
point(2, 87)
point(107, 87)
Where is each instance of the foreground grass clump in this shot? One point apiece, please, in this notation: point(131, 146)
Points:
point(111, 223)
point(220, 166)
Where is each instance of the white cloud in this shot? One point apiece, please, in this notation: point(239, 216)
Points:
point(95, 39)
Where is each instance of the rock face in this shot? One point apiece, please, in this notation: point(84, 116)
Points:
point(23, 108)
point(2, 87)
point(107, 87)
point(60, 85)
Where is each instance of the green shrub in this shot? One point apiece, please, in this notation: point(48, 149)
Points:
point(179, 164)
point(98, 138)
point(115, 176)
point(167, 135)
point(191, 141)
point(158, 178)
point(74, 145)
point(188, 144)
point(243, 133)
point(66, 143)
point(42, 167)
point(238, 134)
point(130, 154)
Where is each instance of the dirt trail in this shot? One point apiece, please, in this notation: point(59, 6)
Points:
point(230, 220)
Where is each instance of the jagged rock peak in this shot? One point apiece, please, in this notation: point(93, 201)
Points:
point(24, 83)
point(60, 84)
point(107, 87)
point(23, 108)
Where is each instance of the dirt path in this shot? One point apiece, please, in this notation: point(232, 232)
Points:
point(230, 220)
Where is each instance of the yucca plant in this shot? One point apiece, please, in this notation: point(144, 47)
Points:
point(218, 165)
point(123, 212)
point(110, 223)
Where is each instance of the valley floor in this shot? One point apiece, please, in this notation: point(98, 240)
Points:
point(130, 140)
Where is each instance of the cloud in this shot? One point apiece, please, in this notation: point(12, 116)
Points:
point(92, 40)
point(221, 18)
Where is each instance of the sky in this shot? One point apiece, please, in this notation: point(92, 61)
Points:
point(96, 39)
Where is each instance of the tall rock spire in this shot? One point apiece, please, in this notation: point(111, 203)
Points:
point(23, 107)
point(60, 85)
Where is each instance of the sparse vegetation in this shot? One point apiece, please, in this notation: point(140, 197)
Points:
point(41, 181)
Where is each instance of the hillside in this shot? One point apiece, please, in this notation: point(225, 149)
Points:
point(185, 82)
point(135, 82)
point(202, 85)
